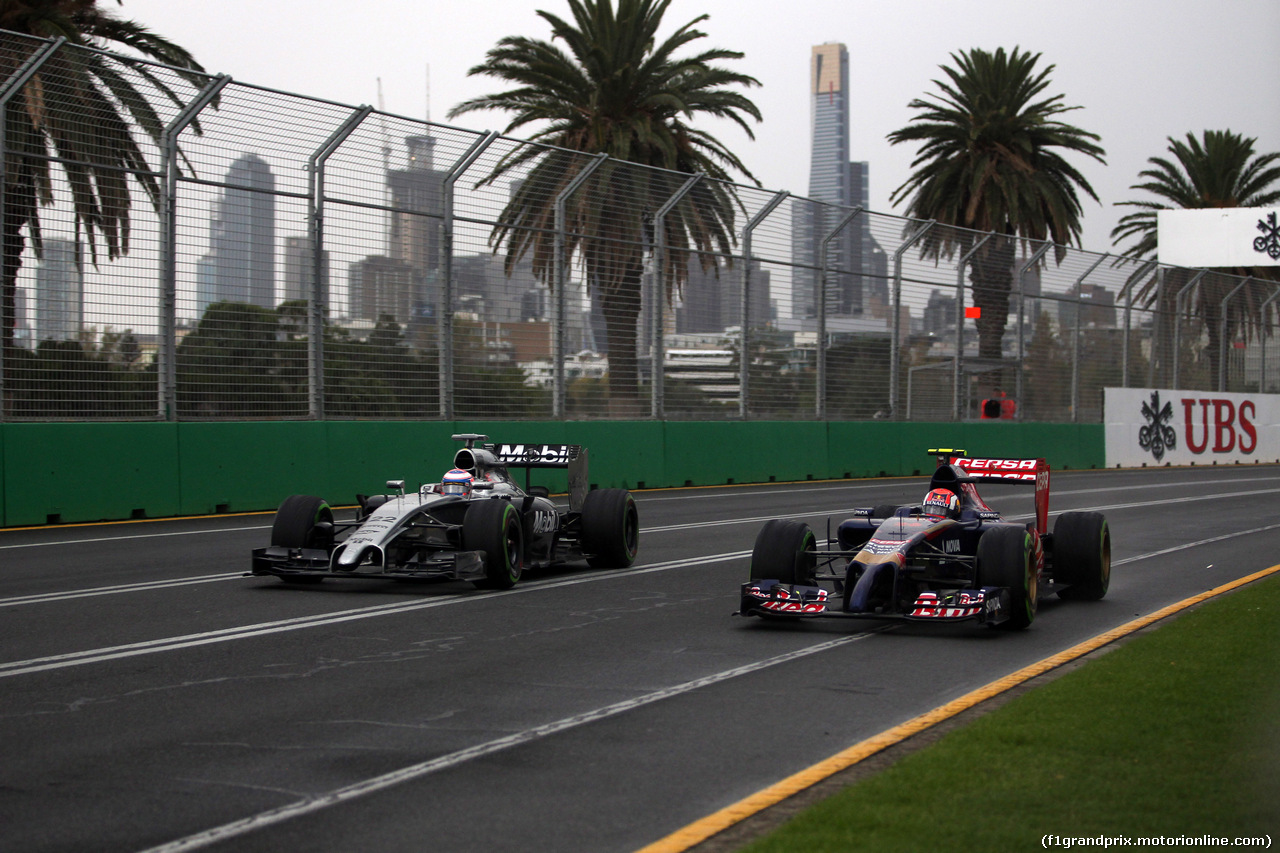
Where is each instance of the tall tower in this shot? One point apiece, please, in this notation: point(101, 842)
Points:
point(59, 291)
point(241, 264)
point(836, 181)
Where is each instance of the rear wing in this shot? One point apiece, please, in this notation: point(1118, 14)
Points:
point(571, 456)
point(530, 456)
point(1031, 472)
point(536, 455)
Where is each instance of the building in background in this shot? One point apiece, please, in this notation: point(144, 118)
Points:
point(299, 261)
point(59, 292)
point(380, 287)
point(241, 263)
point(841, 185)
point(712, 299)
point(404, 283)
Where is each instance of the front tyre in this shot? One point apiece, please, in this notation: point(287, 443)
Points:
point(610, 529)
point(1006, 558)
point(1082, 555)
point(303, 521)
point(785, 551)
point(493, 526)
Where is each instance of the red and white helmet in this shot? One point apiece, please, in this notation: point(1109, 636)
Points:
point(941, 503)
point(456, 482)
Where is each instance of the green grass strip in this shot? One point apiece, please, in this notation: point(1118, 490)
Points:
point(1174, 733)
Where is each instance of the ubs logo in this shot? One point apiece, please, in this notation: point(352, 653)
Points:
point(1232, 427)
point(1156, 435)
point(1269, 242)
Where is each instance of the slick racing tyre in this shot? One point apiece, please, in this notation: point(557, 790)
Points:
point(610, 529)
point(1005, 558)
point(1082, 555)
point(493, 526)
point(785, 551)
point(303, 521)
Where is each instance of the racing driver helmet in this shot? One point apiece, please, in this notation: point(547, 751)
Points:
point(456, 482)
point(941, 503)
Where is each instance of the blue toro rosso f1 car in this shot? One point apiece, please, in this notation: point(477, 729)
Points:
point(951, 558)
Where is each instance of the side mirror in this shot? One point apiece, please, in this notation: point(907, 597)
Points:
point(396, 486)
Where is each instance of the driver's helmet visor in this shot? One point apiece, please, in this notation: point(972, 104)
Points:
point(456, 482)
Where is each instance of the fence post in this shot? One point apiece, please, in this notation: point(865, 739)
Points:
point(561, 273)
point(1022, 312)
point(1177, 324)
point(660, 280)
point(318, 299)
point(167, 351)
point(957, 364)
point(1222, 337)
point(895, 334)
point(1075, 340)
point(744, 362)
point(11, 87)
point(444, 322)
point(820, 302)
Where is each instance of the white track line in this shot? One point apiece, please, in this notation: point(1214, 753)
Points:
point(416, 771)
point(164, 644)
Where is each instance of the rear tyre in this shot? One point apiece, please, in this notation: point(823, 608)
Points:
point(493, 526)
point(785, 551)
point(610, 528)
point(1005, 558)
point(1082, 555)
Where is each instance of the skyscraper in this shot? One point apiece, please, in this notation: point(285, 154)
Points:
point(835, 181)
point(59, 291)
point(241, 264)
point(299, 263)
point(403, 284)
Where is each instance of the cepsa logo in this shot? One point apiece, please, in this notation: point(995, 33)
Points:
point(1232, 430)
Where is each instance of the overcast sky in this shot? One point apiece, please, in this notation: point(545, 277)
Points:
point(1141, 70)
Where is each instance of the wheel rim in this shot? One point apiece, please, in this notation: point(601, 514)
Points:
point(1105, 574)
point(631, 531)
point(511, 544)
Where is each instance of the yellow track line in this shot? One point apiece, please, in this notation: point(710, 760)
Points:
point(701, 830)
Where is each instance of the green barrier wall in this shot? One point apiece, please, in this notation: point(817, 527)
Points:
point(72, 472)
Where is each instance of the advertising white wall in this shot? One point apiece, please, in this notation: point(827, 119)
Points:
point(1219, 237)
point(1160, 426)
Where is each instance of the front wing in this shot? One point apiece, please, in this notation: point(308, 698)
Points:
point(315, 562)
point(988, 605)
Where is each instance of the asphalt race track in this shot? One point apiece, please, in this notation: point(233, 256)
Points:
point(151, 696)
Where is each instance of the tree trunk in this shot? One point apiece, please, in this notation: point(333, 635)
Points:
point(19, 207)
point(620, 304)
point(991, 274)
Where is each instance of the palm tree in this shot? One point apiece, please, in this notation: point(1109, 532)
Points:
point(81, 108)
point(989, 161)
point(615, 89)
point(1218, 170)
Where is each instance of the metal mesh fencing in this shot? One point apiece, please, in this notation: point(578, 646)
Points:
point(187, 247)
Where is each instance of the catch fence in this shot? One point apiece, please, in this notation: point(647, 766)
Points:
point(287, 257)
